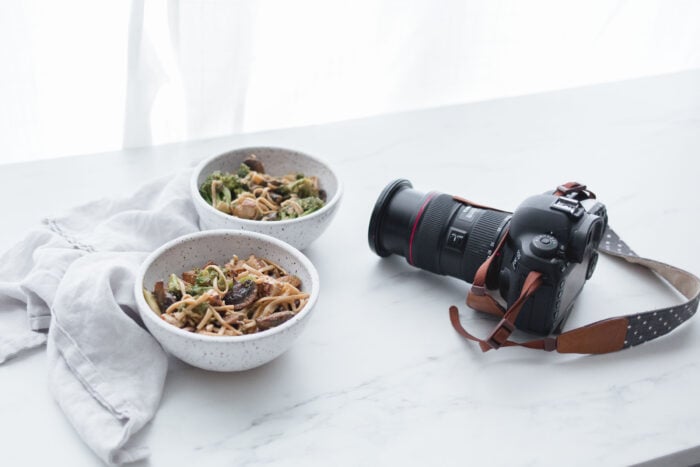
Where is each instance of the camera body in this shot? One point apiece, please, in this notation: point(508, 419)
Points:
point(555, 235)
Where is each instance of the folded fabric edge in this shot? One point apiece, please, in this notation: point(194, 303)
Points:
point(120, 410)
point(122, 454)
point(40, 323)
point(88, 374)
point(11, 348)
point(108, 436)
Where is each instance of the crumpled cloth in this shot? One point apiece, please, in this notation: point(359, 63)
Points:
point(73, 279)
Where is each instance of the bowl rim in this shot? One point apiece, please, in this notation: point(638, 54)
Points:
point(198, 200)
point(147, 313)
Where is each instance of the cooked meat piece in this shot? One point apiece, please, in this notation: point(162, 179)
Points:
point(266, 289)
point(245, 209)
point(291, 279)
point(189, 277)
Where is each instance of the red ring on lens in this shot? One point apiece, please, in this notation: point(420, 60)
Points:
point(415, 226)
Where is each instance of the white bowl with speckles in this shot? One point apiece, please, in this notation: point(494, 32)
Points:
point(224, 353)
point(298, 232)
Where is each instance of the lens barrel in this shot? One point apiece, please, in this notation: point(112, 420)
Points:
point(434, 231)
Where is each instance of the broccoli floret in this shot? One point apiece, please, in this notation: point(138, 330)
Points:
point(233, 183)
point(205, 277)
point(201, 308)
point(288, 212)
point(205, 188)
point(225, 194)
point(174, 286)
point(205, 191)
point(303, 187)
point(282, 190)
point(248, 277)
point(203, 281)
point(197, 290)
point(310, 204)
point(243, 170)
point(228, 187)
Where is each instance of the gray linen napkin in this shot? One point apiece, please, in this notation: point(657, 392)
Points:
point(74, 277)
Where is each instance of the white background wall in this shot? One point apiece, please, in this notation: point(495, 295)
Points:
point(82, 76)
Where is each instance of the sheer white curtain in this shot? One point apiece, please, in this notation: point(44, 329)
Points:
point(188, 69)
point(80, 76)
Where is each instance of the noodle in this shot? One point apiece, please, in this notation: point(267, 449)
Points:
point(241, 297)
point(250, 193)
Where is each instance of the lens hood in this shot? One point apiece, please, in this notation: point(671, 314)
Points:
point(378, 214)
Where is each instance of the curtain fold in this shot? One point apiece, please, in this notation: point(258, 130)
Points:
point(86, 77)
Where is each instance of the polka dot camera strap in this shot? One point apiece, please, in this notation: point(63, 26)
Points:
point(612, 334)
point(637, 328)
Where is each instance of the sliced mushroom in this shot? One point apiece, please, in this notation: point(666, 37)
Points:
point(276, 197)
point(322, 195)
point(245, 209)
point(242, 294)
point(254, 164)
point(163, 299)
point(159, 293)
point(169, 300)
point(275, 319)
point(271, 216)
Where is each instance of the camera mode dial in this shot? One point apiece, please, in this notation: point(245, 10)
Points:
point(544, 246)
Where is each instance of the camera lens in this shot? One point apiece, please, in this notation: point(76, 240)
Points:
point(434, 231)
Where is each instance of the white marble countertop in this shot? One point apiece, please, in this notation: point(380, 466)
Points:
point(379, 377)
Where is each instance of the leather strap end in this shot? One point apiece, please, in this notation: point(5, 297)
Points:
point(486, 304)
point(596, 338)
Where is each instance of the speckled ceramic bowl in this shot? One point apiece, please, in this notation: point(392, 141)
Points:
point(225, 353)
point(298, 232)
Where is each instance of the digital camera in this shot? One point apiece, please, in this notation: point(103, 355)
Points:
point(555, 233)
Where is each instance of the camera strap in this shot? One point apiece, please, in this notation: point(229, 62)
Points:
point(608, 335)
